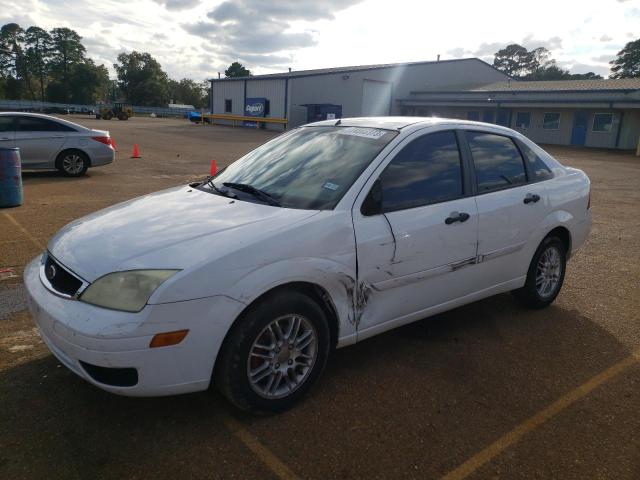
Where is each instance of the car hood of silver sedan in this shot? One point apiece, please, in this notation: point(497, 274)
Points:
point(174, 228)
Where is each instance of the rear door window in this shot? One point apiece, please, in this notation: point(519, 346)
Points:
point(35, 124)
point(7, 124)
point(497, 161)
point(426, 171)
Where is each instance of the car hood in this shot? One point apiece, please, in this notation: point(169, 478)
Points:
point(121, 237)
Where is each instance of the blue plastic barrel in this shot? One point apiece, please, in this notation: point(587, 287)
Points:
point(10, 177)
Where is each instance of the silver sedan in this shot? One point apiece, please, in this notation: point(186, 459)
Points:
point(47, 142)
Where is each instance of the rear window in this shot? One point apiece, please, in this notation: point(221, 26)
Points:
point(537, 168)
point(497, 160)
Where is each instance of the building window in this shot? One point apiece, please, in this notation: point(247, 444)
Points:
point(551, 121)
point(523, 119)
point(603, 122)
point(475, 116)
point(228, 106)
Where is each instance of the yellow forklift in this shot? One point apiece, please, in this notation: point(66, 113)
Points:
point(121, 111)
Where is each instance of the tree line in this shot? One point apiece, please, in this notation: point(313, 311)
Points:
point(52, 66)
point(537, 64)
point(36, 64)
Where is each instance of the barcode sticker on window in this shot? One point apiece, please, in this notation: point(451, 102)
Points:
point(362, 132)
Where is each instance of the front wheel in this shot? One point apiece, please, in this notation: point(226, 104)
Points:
point(545, 275)
point(73, 163)
point(274, 353)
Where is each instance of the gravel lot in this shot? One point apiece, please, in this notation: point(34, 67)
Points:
point(485, 391)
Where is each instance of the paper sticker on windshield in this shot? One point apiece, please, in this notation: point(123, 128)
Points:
point(374, 133)
point(330, 186)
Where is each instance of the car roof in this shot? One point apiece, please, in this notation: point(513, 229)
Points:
point(47, 117)
point(398, 123)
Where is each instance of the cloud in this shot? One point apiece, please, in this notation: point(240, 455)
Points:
point(177, 5)
point(489, 48)
point(457, 52)
point(578, 67)
point(232, 10)
point(251, 29)
point(553, 43)
point(603, 58)
point(266, 59)
point(605, 38)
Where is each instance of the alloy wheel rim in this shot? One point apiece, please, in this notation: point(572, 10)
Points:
point(73, 164)
point(282, 356)
point(548, 272)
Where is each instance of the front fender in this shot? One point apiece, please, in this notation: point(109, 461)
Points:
point(336, 279)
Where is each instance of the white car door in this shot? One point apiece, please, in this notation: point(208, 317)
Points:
point(7, 131)
point(414, 244)
point(39, 140)
point(511, 206)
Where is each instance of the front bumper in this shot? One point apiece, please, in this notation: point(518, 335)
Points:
point(79, 333)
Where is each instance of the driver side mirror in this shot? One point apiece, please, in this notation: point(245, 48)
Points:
point(372, 205)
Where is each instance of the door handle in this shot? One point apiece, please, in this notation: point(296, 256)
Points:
point(4, 139)
point(456, 217)
point(531, 198)
point(58, 136)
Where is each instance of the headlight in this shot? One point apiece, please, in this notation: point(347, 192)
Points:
point(127, 291)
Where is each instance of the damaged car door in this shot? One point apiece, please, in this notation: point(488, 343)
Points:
point(416, 232)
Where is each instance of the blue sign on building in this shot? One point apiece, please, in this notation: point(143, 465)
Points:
point(254, 107)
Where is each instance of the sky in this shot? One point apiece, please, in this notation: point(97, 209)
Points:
point(199, 38)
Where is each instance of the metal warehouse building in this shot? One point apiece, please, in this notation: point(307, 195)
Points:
point(593, 113)
point(309, 95)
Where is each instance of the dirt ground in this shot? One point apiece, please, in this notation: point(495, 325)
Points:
point(488, 390)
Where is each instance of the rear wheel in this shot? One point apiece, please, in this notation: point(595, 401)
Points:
point(73, 163)
point(274, 353)
point(545, 275)
point(123, 116)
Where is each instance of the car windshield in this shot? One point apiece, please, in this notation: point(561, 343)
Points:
point(309, 168)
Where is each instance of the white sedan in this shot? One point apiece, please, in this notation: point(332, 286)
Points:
point(322, 237)
point(47, 142)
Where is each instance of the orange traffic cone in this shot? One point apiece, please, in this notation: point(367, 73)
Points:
point(136, 151)
point(212, 170)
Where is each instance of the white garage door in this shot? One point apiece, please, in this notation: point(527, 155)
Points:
point(376, 98)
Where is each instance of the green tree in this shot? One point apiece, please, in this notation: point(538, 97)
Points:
point(537, 64)
point(88, 82)
point(549, 72)
point(627, 61)
point(189, 92)
point(67, 52)
point(236, 69)
point(514, 60)
point(586, 76)
point(38, 55)
point(13, 62)
point(141, 79)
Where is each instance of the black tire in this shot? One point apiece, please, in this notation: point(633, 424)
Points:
point(530, 295)
point(123, 116)
point(67, 163)
point(231, 373)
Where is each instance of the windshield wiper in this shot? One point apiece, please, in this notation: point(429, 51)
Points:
point(225, 193)
point(256, 192)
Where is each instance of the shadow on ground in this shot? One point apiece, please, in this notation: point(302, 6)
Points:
point(414, 402)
